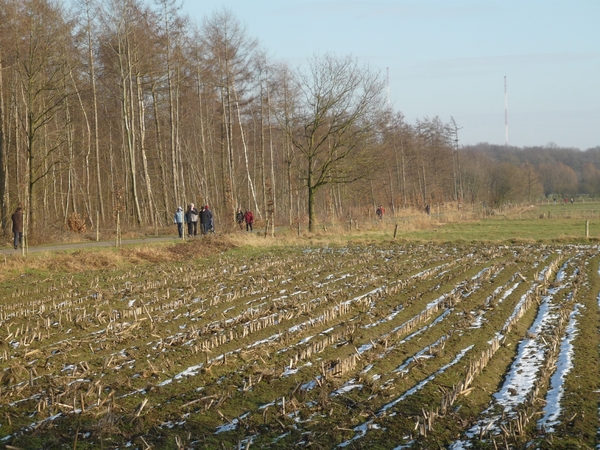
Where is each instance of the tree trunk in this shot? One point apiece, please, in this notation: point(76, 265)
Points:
point(129, 128)
point(3, 162)
point(150, 209)
point(311, 198)
point(273, 198)
point(177, 196)
point(227, 164)
point(161, 157)
point(263, 175)
point(246, 153)
point(204, 186)
point(96, 130)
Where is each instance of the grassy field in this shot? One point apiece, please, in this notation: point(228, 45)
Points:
point(455, 334)
point(578, 222)
point(508, 230)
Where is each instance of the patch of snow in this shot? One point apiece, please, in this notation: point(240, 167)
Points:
point(563, 367)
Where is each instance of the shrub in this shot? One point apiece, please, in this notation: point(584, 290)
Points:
point(76, 223)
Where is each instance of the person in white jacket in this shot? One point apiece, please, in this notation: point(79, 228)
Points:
point(178, 220)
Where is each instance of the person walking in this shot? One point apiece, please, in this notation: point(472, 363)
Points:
point(239, 218)
point(206, 219)
point(191, 218)
point(249, 218)
point(17, 220)
point(211, 220)
point(178, 220)
point(380, 212)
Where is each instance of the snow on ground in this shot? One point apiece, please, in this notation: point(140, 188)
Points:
point(563, 367)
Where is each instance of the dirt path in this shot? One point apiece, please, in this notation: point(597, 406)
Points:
point(88, 244)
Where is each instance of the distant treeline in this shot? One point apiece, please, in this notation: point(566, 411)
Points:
point(530, 172)
point(126, 107)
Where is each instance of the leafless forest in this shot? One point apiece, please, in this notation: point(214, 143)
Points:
point(127, 106)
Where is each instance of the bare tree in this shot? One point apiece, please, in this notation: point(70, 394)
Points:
point(229, 53)
point(88, 9)
point(41, 67)
point(333, 121)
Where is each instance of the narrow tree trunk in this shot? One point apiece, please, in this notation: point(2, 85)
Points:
point(130, 140)
point(174, 149)
point(227, 164)
point(161, 157)
point(391, 200)
point(263, 176)
point(96, 130)
point(146, 174)
point(290, 192)
point(273, 190)
point(3, 162)
point(29, 194)
point(245, 147)
point(311, 198)
point(176, 129)
point(88, 149)
point(204, 180)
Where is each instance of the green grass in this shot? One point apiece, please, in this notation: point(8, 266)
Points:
point(508, 230)
point(544, 223)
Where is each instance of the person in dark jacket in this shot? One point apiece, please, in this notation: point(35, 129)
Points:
point(191, 218)
point(239, 218)
point(249, 218)
point(17, 220)
point(206, 219)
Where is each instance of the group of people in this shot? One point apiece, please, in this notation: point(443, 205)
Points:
point(242, 217)
point(192, 217)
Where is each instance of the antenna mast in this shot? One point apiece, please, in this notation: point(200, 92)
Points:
point(388, 88)
point(505, 113)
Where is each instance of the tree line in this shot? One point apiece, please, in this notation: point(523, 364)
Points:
point(128, 107)
point(532, 173)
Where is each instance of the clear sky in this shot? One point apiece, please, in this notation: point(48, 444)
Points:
point(448, 58)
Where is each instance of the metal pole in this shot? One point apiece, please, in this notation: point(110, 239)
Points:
point(506, 112)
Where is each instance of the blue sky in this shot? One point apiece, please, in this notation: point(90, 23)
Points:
point(448, 58)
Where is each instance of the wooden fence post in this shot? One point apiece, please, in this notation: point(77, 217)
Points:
point(118, 229)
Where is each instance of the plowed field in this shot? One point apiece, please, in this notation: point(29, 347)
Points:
point(390, 346)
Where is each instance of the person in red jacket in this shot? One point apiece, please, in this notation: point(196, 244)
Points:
point(249, 218)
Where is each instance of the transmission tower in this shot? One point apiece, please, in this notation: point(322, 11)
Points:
point(505, 113)
point(389, 102)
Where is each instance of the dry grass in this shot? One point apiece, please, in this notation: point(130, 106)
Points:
point(91, 259)
point(413, 225)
